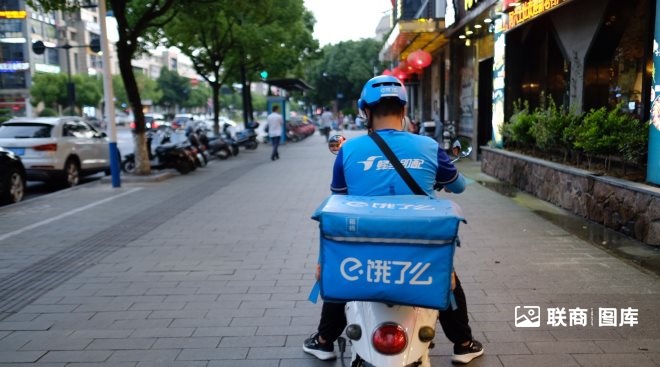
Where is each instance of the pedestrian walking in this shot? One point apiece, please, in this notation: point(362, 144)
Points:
point(275, 126)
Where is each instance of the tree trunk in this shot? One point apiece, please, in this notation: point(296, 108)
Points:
point(215, 88)
point(249, 98)
point(245, 93)
point(142, 165)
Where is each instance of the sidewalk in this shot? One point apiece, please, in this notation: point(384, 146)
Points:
point(214, 268)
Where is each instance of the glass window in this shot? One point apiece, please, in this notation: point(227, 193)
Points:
point(11, 28)
point(615, 65)
point(25, 130)
point(10, 5)
point(77, 129)
point(14, 80)
point(12, 52)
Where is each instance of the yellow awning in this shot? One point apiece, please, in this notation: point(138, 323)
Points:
point(411, 35)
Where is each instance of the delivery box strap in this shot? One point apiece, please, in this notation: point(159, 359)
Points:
point(396, 163)
point(413, 241)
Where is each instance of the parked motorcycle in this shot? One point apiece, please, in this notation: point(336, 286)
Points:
point(248, 137)
point(163, 154)
point(228, 137)
point(448, 136)
point(386, 333)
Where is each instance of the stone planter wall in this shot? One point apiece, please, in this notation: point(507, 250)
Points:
point(628, 207)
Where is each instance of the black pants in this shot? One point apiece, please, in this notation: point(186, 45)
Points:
point(454, 322)
point(275, 141)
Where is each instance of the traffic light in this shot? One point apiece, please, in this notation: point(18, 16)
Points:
point(264, 74)
point(95, 45)
point(38, 47)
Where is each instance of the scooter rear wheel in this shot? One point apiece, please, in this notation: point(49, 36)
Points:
point(251, 144)
point(128, 166)
point(223, 154)
point(184, 166)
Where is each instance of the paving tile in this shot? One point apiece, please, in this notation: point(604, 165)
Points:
point(20, 357)
point(545, 360)
point(120, 344)
point(213, 354)
point(614, 360)
point(159, 356)
point(76, 356)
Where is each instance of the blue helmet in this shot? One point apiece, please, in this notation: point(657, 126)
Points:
point(379, 87)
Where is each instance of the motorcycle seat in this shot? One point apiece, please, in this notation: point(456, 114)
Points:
point(165, 147)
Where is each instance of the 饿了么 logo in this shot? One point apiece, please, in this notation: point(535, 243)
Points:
point(385, 205)
point(385, 271)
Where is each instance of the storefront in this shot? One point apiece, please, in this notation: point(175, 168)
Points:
point(470, 84)
point(582, 54)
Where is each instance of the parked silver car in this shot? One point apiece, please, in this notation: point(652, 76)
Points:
point(56, 149)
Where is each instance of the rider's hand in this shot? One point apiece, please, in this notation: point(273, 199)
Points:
point(453, 280)
point(318, 272)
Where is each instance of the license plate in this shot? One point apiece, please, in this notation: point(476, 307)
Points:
point(17, 151)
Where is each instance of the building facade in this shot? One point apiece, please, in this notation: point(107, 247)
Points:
point(490, 54)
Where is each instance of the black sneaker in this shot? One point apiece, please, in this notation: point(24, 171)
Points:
point(465, 354)
point(323, 352)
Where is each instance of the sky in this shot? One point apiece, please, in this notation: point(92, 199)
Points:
point(343, 20)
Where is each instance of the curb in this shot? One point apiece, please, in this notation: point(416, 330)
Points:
point(153, 177)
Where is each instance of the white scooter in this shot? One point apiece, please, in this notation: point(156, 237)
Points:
point(388, 335)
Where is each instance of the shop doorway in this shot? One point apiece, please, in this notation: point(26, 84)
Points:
point(485, 103)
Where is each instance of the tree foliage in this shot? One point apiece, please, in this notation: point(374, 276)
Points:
point(224, 37)
point(175, 88)
point(342, 69)
point(50, 89)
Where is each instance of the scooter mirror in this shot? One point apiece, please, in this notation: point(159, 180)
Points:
point(335, 142)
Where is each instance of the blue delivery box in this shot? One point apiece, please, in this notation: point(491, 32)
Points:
point(390, 249)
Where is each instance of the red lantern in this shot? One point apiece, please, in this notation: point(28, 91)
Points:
point(387, 72)
point(419, 59)
point(408, 68)
point(399, 74)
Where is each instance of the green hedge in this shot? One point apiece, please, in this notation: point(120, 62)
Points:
point(599, 132)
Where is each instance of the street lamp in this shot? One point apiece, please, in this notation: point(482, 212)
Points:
point(39, 48)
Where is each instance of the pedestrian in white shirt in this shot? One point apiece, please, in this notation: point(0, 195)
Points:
point(275, 125)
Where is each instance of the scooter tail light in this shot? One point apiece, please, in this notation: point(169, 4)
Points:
point(46, 147)
point(389, 339)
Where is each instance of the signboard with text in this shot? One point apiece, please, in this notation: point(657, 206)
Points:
point(528, 10)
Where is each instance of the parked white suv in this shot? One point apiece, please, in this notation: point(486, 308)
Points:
point(56, 149)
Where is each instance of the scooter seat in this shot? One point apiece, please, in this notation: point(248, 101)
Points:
point(165, 147)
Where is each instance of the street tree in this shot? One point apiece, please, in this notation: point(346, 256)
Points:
point(233, 41)
point(174, 87)
point(49, 89)
point(206, 34)
point(277, 39)
point(198, 96)
point(149, 90)
point(88, 91)
point(138, 22)
point(341, 71)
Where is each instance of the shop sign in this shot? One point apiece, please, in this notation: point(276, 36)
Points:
point(12, 14)
point(10, 67)
point(529, 10)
